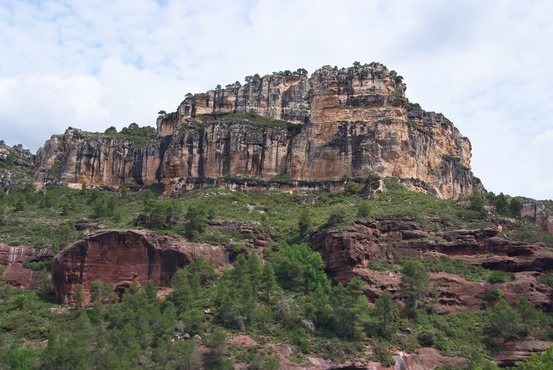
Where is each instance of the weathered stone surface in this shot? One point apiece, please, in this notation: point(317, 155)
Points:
point(13, 258)
point(426, 359)
point(354, 122)
point(348, 252)
point(120, 257)
point(536, 212)
point(512, 352)
point(16, 165)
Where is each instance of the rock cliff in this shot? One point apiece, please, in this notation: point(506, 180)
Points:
point(14, 261)
point(120, 257)
point(350, 122)
point(348, 252)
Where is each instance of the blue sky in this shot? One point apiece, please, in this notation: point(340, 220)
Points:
point(486, 65)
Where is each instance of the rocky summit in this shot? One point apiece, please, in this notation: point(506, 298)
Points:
point(338, 123)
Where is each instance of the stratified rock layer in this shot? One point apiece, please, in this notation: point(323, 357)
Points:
point(121, 257)
point(13, 260)
point(348, 252)
point(349, 122)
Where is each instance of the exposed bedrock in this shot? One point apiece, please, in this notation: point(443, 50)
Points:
point(123, 256)
point(348, 252)
point(351, 122)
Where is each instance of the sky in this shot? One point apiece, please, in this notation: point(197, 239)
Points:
point(487, 65)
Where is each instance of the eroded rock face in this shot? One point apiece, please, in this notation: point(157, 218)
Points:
point(536, 212)
point(12, 259)
point(120, 257)
point(348, 252)
point(351, 122)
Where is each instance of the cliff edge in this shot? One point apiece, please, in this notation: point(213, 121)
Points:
point(349, 122)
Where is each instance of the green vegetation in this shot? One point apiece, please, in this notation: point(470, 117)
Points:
point(140, 136)
point(279, 294)
point(255, 118)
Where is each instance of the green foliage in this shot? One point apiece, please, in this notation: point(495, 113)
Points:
point(507, 323)
point(282, 294)
point(138, 135)
point(543, 361)
point(162, 213)
point(38, 265)
point(198, 219)
point(427, 337)
point(304, 221)
point(281, 177)
point(78, 296)
point(364, 210)
point(461, 268)
point(394, 186)
point(414, 286)
point(352, 188)
point(95, 290)
point(335, 220)
point(546, 278)
point(515, 207)
point(501, 204)
point(476, 202)
point(497, 277)
point(386, 317)
point(298, 268)
point(351, 311)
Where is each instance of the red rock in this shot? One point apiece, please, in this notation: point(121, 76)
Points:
point(13, 258)
point(513, 352)
point(120, 257)
point(348, 252)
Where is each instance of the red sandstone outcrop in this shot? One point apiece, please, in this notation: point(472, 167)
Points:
point(513, 352)
point(120, 257)
point(12, 259)
point(348, 252)
point(350, 122)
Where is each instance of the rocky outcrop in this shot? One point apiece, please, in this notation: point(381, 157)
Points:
point(348, 252)
point(16, 165)
point(14, 259)
point(513, 352)
point(536, 212)
point(121, 257)
point(349, 122)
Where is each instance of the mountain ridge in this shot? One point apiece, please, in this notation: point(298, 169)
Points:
point(349, 122)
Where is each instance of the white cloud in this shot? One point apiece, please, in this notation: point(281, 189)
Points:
point(93, 64)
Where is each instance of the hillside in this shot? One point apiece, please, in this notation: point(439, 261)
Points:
point(294, 222)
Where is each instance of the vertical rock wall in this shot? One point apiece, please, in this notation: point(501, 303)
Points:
point(350, 122)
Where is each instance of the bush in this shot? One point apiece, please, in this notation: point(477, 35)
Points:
point(497, 277)
point(427, 337)
point(281, 177)
point(352, 188)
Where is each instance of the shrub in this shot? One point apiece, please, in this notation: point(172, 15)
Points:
point(352, 188)
point(427, 337)
point(497, 277)
point(281, 177)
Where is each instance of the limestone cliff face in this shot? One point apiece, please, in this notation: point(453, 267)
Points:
point(344, 122)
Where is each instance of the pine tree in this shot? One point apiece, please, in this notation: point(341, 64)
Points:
point(387, 315)
point(414, 285)
point(254, 270)
point(268, 282)
point(78, 296)
point(351, 310)
point(95, 290)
